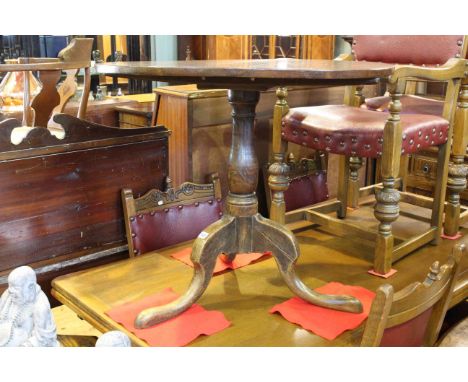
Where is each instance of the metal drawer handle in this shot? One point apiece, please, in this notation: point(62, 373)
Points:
point(426, 168)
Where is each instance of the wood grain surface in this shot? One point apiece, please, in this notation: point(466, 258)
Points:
point(251, 74)
point(244, 295)
point(63, 196)
point(270, 68)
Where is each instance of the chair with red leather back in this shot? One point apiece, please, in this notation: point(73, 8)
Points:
point(162, 218)
point(413, 316)
point(355, 133)
point(413, 104)
point(307, 182)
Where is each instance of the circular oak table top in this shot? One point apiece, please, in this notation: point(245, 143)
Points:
point(251, 74)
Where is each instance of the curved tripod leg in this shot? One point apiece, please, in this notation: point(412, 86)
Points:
point(271, 236)
point(219, 236)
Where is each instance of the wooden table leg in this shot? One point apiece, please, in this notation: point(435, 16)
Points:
point(218, 237)
point(271, 236)
point(242, 229)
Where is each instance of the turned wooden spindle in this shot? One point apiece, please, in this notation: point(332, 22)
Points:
point(387, 208)
point(278, 179)
point(355, 163)
point(358, 98)
point(458, 171)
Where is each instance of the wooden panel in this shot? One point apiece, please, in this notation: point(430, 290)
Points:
point(135, 116)
point(200, 121)
point(422, 174)
point(318, 47)
point(131, 121)
point(173, 114)
point(101, 112)
point(224, 47)
point(64, 203)
point(424, 167)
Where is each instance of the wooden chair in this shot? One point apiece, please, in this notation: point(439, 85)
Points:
point(162, 218)
point(354, 133)
point(455, 213)
point(307, 182)
point(413, 316)
point(51, 100)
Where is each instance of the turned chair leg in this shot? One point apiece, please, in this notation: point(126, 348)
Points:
point(278, 179)
point(386, 210)
point(456, 184)
point(404, 164)
point(355, 163)
point(343, 185)
point(348, 179)
point(440, 190)
point(457, 172)
point(387, 207)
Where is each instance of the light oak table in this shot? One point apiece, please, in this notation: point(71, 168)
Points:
point(246, 294)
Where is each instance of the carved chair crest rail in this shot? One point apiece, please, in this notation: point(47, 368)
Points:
point(161, 218)
point(413, 316)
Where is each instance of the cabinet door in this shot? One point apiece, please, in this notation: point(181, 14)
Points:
point(318, 47)
point(228, 47)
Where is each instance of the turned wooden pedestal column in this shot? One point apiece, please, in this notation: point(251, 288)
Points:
point(242, 229)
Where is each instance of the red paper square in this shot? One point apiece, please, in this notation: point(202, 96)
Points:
point(177, 331)
point(241, 260)
point(324, 322)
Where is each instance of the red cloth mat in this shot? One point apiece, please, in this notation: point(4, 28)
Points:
point(326, 323)
point(241, 260)
point(177, 331)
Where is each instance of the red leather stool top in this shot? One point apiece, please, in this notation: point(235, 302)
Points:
point(352, 131)
point(410, 104)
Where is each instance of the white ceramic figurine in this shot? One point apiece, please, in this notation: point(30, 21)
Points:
point(113, 338)
point(25, 315)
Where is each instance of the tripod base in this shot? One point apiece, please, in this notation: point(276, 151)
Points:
point(233, 235)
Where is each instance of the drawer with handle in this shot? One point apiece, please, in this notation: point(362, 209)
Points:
point(423, 166)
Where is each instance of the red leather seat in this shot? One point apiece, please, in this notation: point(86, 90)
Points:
point(409, 333)
point(159, 219)
point(351, 131)
point(355, 132)
point(306, 190)
point(411, 104)
point(157, 229)
point(412, 49)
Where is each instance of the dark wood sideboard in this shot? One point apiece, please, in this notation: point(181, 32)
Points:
point(61, 209)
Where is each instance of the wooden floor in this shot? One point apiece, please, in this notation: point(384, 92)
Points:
point(246, 295)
